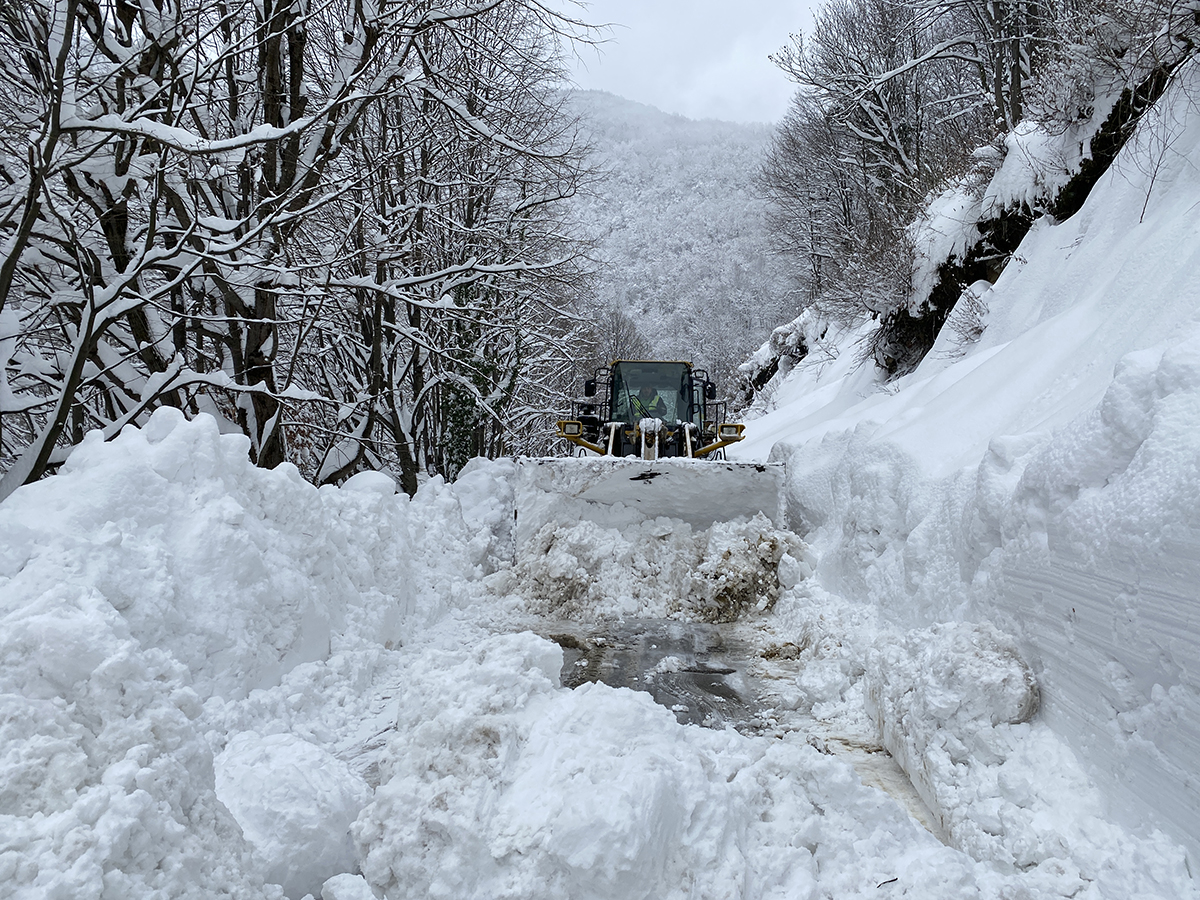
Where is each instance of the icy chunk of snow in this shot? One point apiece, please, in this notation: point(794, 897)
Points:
point(295, 802)
point(347, 887)
point(668, 664)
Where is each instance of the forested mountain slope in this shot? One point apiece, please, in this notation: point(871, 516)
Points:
point(681, 235)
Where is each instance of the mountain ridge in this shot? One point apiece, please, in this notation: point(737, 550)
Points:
point(680, 232)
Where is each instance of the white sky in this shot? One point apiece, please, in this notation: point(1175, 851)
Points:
point(699, 58)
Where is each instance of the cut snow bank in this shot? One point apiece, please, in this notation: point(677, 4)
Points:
point(1046, 477)
point(656, 569)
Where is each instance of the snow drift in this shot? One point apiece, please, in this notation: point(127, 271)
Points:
point(366, 726)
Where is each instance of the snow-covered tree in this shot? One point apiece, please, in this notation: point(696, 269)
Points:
point(191, 194)
point(904, 109)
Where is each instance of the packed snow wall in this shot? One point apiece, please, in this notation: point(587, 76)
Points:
point(1046, 476)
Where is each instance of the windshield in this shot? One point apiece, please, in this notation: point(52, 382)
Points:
point(651, 390)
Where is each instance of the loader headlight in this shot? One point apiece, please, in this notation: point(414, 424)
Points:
point(571, 428)
point(730, 431)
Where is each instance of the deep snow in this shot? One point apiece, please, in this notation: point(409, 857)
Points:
point(191, 644)
point(221, 681)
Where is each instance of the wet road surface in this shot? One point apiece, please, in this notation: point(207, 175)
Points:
point(690, 668)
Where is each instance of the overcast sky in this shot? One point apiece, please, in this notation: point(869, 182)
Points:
point(699, 58)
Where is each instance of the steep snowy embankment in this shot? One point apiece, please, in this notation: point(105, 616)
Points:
point(1046, 477)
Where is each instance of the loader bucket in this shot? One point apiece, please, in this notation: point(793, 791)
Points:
point(615, 491)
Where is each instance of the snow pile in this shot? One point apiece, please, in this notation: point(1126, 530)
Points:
point(661, 568)
point(499, 784)
point(160, 595)
point(938, 697)
point(238, 574)
point(346, 887)
point(453, 759)
point(106, 783)
point(1124, 480)
point(742, 567)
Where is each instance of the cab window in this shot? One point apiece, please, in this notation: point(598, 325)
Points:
point(651, 390)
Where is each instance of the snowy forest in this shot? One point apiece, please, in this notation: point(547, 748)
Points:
point(684, 267)
point(365, 240)
point(336, 227)
point(301, 598)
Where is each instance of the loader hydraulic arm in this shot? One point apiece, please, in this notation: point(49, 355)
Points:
point(729, 433)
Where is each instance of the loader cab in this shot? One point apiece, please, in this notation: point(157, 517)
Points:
point(651, 409)
point(653, 390)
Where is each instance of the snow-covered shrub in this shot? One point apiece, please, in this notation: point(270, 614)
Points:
point(788, 345)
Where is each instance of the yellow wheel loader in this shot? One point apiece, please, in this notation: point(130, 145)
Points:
point(653, 434)
point(650, 409)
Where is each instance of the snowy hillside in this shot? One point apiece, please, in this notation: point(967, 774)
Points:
point(1045, 478)
point(955, 660)
point(682, 242)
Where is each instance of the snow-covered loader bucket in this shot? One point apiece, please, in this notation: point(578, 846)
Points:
point(614, 491)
